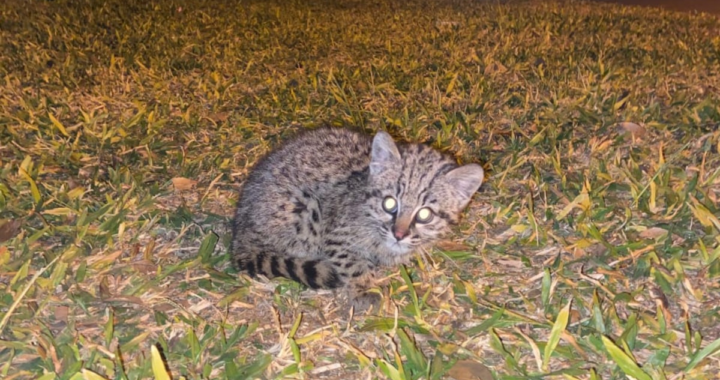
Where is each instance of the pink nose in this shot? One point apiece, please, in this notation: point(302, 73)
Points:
point(400, 233)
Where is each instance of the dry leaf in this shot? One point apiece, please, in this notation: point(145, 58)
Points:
point(181, 183)
point(4, 255)
point(629, 127)
point(220, 116)
point(511, 263)
point(659, 297)
point(8, 230)
point(61, 313)
point(495, 67)
point(653, 233)
point(144, 267)
point(470, 370)
point(449, 245)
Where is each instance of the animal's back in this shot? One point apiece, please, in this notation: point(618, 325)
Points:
point(293, 197)
point(317, 165)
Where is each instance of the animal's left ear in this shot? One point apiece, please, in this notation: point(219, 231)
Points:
point(465, 181)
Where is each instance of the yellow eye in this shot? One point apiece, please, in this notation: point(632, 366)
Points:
point(424, 215)
point(389, 205)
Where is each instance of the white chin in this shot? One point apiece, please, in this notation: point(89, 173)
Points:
point(398, 248)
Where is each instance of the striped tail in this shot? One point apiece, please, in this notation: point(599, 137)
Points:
point(315, 273)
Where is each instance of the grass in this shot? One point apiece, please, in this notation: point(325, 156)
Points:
point(592, 251)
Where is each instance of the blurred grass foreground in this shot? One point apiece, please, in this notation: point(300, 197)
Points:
point(591, 252)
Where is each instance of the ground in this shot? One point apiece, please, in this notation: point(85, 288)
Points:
point(592, 250)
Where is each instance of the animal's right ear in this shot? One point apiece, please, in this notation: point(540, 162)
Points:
point(384, 155)
point(465, 181)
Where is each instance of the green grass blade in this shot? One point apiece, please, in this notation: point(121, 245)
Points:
point(624, 361)
point(703, 354)
point(558, 327)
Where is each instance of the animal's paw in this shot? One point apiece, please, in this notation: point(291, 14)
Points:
point(365, 300)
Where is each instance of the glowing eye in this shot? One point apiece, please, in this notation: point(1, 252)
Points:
point(389, 205)
point(424, 215)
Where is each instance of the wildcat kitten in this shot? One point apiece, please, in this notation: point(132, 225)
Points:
point(331, 206)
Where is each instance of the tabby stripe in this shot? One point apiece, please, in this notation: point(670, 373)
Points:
point(333, 281)
point(249, 267)
point(311, 273)
point(442, 170)
point(260, 263)
point(275, 267)
point(412, 173)
point(290, 268)
point(424, 194)
point(398, 189)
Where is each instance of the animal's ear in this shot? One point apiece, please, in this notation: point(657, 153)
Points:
point(465, 181)
point(385, 153)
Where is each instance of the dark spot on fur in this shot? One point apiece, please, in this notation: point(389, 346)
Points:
point(348, 264)
point(299, 208)
point(357, 274)
point(357, 174)
point(298, 227)
point(443, 215)
point(315, 216)
point(343, 256)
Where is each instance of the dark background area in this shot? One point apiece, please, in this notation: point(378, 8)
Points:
point(712, 6)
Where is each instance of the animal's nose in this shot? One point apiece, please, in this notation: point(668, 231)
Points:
point(400, 233)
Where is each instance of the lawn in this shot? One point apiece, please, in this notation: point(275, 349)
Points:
point(592, 251)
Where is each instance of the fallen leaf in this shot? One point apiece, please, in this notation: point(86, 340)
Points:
point(657, 294)
point(181, 183)
point(144, 267)
point(61, 313)
point(220, 116)
point(653, 232)
point(511, 263)
point(449, 245)
point(629, 127)
point(495, 67)
point(4, 255)
point(470, 370)
point(8, 230)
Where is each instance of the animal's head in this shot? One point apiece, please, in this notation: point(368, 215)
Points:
point(417, 193)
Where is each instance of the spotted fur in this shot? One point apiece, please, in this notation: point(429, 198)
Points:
point(311, 211)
